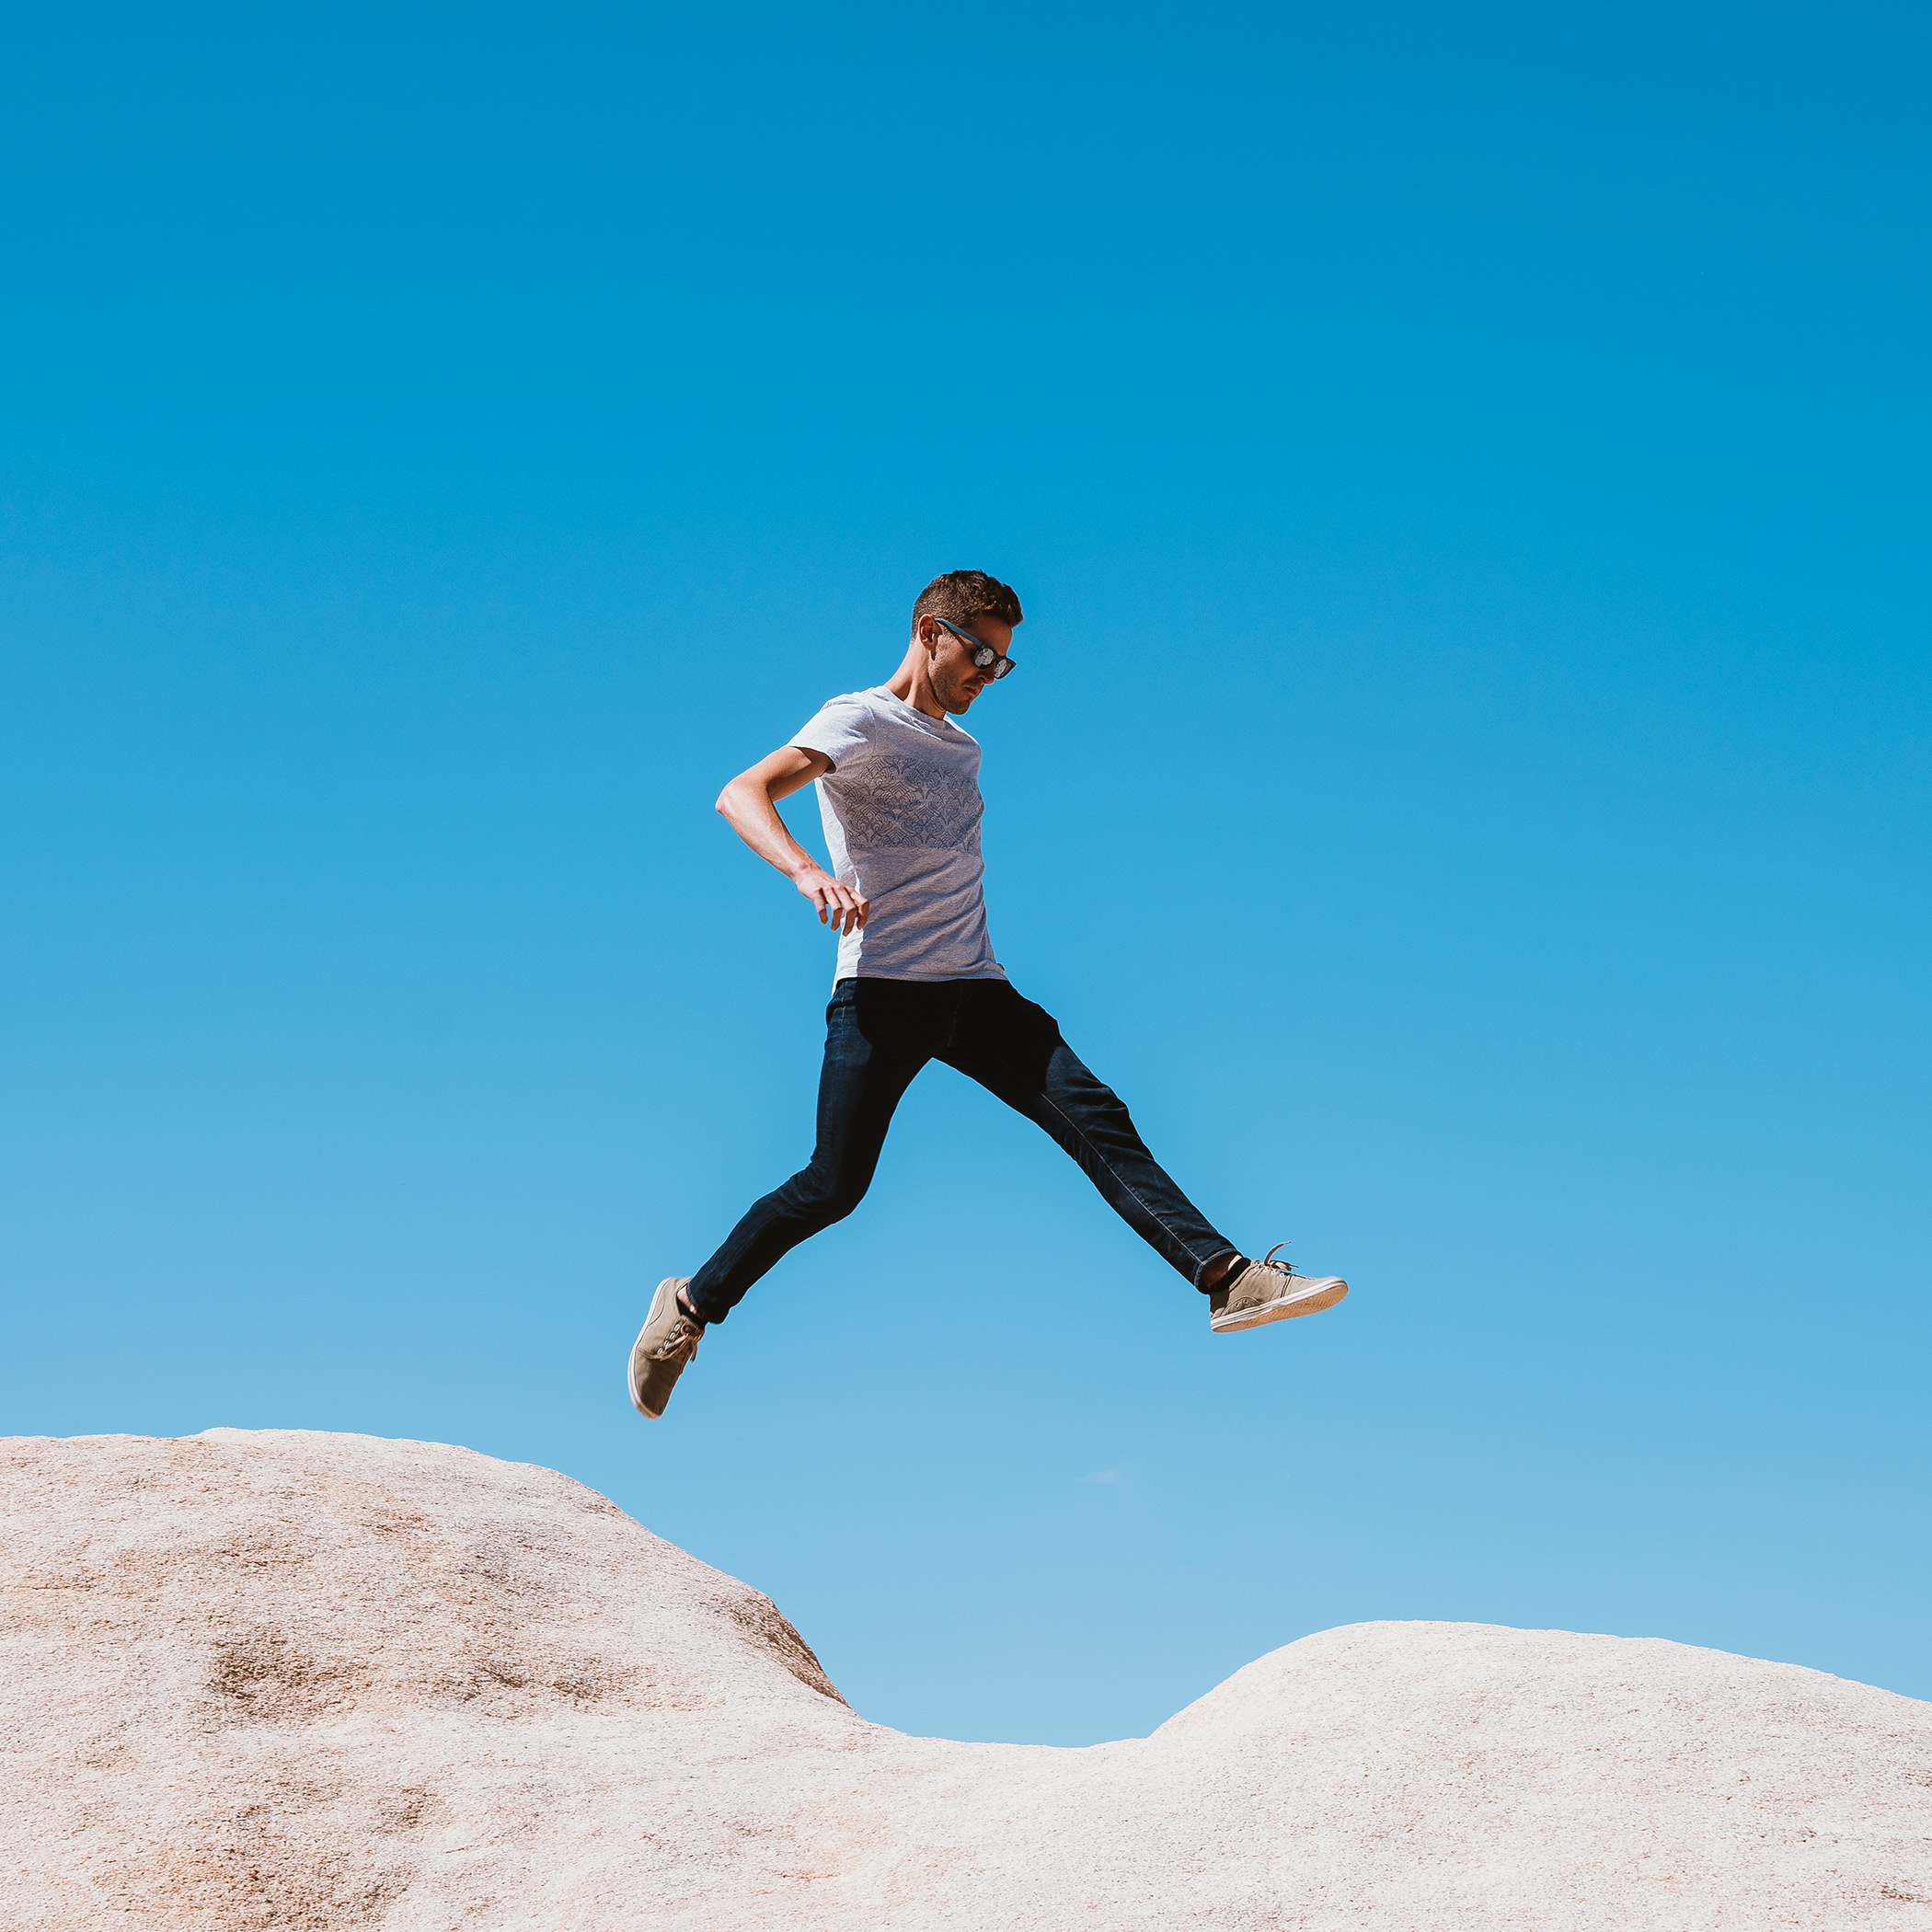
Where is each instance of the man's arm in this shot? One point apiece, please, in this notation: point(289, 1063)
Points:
point(750, 802)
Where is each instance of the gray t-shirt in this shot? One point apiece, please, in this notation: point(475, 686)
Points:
point(901, 810)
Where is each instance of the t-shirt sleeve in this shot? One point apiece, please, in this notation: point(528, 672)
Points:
point(839, 728)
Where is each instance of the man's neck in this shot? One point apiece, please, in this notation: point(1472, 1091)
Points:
point(913, 684)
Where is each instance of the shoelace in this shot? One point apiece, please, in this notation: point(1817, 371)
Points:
point(684, 1334)
point(1268, 1260)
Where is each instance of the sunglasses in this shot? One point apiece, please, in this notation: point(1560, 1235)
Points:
point(984, 658)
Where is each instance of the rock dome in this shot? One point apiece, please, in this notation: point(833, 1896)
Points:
point(290, 1680)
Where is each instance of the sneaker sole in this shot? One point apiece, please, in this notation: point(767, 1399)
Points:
point(1310, 1300)
point(630, 1372)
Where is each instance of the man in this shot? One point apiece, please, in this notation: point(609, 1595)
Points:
point(916, 981)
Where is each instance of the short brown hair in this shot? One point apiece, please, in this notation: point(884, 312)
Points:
point(963, 595)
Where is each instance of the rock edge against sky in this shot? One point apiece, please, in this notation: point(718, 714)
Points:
point(291, 1679)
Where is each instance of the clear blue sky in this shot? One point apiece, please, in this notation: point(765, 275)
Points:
point(1467, 786)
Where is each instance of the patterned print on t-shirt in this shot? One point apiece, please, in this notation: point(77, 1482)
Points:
point(894, 802)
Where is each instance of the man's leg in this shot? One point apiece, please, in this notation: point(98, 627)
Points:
point(879, 1033)
point(1012, 1049)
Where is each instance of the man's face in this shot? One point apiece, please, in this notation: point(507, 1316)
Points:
point(956, 681)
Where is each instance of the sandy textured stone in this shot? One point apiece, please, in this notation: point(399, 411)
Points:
point(297, 1680)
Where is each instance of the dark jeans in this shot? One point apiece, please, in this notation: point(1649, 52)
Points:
point(879, 1033)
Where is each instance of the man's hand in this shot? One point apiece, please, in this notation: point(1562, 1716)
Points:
point(839, 907)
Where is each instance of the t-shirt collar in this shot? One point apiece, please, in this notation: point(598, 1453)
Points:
point(913, 713)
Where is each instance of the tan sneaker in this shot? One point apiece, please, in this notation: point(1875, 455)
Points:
point(665, 1343)
point(1268, 1290)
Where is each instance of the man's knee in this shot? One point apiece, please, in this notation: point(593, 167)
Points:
point(827, 1194)
point(1067, 1075)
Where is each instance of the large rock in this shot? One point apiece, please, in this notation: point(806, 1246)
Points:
point(298, 1679)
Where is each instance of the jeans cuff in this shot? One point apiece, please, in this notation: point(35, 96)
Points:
point(1216, 1255)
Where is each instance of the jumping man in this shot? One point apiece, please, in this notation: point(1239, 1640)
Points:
point(899, 792)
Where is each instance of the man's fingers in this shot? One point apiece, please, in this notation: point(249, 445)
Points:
point(839, 907)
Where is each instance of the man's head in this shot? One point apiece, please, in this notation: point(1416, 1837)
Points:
point(985, 610)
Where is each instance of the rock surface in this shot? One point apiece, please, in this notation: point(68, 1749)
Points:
point(294, 1680)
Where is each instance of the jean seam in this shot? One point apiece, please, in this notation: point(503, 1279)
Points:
point(1159, 1220)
